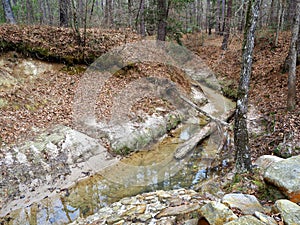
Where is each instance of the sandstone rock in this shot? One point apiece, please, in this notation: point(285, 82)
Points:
point(217, 213)
point(285, 175)
point(191, 222)
point(289, 211)
point(264, 218)
point(139, 209)
point(113, 219)
point(177, 210)
point(166, 221)
point(263, 162)
point(248, 204)
point(144, 217)
point(246, 220)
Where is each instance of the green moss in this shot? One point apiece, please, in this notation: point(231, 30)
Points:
point(173, 121)
point(229, 89)
point(74, 69)
point(125, 150)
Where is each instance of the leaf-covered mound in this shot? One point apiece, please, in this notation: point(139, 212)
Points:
point(280, 132)
point(61, 44)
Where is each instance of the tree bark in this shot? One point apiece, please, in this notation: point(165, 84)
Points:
point(108, 13)
point(222, 25)
point(9, 15)
point(291, 98)
point(241, 140)
point(279, 14)
point(129, 3)
point(63, 13)
point(218, 15)
point(227, 26)
point(162, 8)
point(208, 17)
point(142, 19)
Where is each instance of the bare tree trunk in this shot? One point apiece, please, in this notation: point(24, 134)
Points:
point(30, 12)
point(199, 14)
point(279, 14)
point(75, 23)
point(42, 16)
point(162, 8)
point(218, 15)
point(283, 14)
point(63, 13)
point(49, 12)
point(227, 25)
point(208, 17)
point(92, 9)
point(108, 13)
point(223, 17)
point(142, 19)
point(241, 140)
point(272, 15)
point(291, 12)
point(9, 15)
point(129, 13)
point(291, 99)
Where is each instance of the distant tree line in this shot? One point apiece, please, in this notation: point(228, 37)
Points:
point(146, 16)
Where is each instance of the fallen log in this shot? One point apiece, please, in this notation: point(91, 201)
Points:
point(199, 136)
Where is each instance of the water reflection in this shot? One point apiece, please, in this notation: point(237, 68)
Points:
point(144, 171)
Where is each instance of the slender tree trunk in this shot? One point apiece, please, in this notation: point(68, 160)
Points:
point(218, 25)
point(9, 15)
point(240, 15)
point(49, 12)
point(92, 9)
point(208, 16)
point(283, 14)
point(75, 23)
point(142, 19)
point(279, 13)
point(227, 25)
point(162, 8)
point(291, 6)
point(291, 99)
point(42, 16)
point(108, 13)
point(272, 16)
point(241, 140)
point(129, 13)
point(63, 13)
point(30, 12)
point(223, 17)
point(199, 14)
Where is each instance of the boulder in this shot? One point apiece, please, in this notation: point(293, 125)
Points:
point(264, 161)
point(248, 204)
point(217, 213)
point(290, 211)
point(285, 175)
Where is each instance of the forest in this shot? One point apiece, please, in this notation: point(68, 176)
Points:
point(111, 106)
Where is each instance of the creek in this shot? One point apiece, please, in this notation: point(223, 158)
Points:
point(154, 168)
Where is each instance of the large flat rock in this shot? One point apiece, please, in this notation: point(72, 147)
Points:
point(285, 175)
point(53, 161)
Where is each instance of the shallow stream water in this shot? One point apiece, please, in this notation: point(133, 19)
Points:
point(138, 173)
point(144, 171)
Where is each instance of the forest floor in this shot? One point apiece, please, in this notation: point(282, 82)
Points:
point(268, 94)
point(268, 88)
